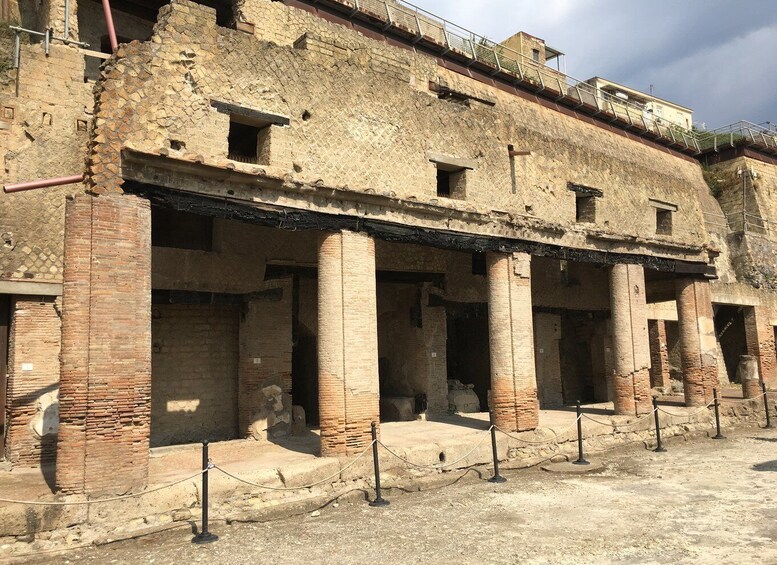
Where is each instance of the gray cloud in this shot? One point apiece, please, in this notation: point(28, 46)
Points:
point(715, 56)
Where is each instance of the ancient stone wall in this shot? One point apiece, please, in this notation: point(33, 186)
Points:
point(341, 134)
point(33, 381)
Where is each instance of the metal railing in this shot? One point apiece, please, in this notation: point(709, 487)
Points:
point(739, 133)
point(451, 39)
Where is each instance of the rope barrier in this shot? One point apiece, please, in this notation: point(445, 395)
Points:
point(442, 465)
point(699, 411)
point(324, 480)
point(112, 499)
point(624, 425)
point(529, 442)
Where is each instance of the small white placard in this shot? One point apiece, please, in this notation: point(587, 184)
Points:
point(26, 366)
point(257, 360)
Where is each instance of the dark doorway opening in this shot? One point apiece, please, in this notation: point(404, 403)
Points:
point(582, 351)
point(304, 357)
point(730, 330)
point(468, 348)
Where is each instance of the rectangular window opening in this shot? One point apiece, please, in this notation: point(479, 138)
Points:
point(585, 208)
point(479, 264)
point(451, 182)
point(535, 54)
point(249, 143)
point(663, 222)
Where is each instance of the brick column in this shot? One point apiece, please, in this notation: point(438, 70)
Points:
point(659, 354)
point(511, 342)
point(105, 381)
point(347, 342)
point(759, 334)
point(630, 345)
point(698, 346)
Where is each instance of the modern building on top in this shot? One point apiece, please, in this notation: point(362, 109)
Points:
point(652, 106)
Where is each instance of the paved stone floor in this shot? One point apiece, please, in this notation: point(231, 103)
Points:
point(702, 502)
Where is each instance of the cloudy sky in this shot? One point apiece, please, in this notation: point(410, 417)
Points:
point(718, 57)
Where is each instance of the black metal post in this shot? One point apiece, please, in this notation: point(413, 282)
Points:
point(497, 478)
point(205, 536)
point(580, 459)
point(718, 435)
point(766, 406)
point(379, 500)
point(659, 446)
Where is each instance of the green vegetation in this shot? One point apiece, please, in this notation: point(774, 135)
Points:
point(714, 181)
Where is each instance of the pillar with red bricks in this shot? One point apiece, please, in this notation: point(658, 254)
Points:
point(759, 334)
point(630, 344)
point(698, 344)
point(511, 342)
point(347, 342)
point(105, 379)
point(659, 354)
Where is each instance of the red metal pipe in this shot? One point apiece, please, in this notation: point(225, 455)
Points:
point(41, 183)
point(109, 24)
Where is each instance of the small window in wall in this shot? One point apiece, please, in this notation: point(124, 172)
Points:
point(585, 208)
point(585, 202)
point(249, 143)
point(664, 212)
point(535, 54)
point(181, 230)
point(250, 132)
point(452, 175)
point(451, 183)
point(479, 264)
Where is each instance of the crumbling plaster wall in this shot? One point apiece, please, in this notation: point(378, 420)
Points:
point(369, 129)
point(43, 134)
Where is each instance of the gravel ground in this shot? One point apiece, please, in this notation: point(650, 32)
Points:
point(702, 502)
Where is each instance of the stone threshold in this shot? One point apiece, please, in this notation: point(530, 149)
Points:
point(45, 529)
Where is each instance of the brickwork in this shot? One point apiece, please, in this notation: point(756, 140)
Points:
point(194, 365)
point(265, 362)
point(513, 382)
point(659, 354)
point(698, 344)
point(33, 381)
point(105, 381)
point(759, 334)
point(347, 342)
point(630, 346)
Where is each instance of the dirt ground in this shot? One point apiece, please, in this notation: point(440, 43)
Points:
point(703, 501)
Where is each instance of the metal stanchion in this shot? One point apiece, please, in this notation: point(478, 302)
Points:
point(497, 478)
point(766, 406)
point(659, 446)
point(718, 435)
point(205, 536)
point(379, 500)
point(580, 459)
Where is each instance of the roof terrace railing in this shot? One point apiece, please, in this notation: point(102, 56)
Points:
point(419, 25)
point(739, 133)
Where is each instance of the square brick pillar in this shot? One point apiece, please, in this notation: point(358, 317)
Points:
point(630, 344)
point(698, 344)
point(759, 334)
point(105, 380)
point(659, 354)
point(347, 342)
point(511, 342)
